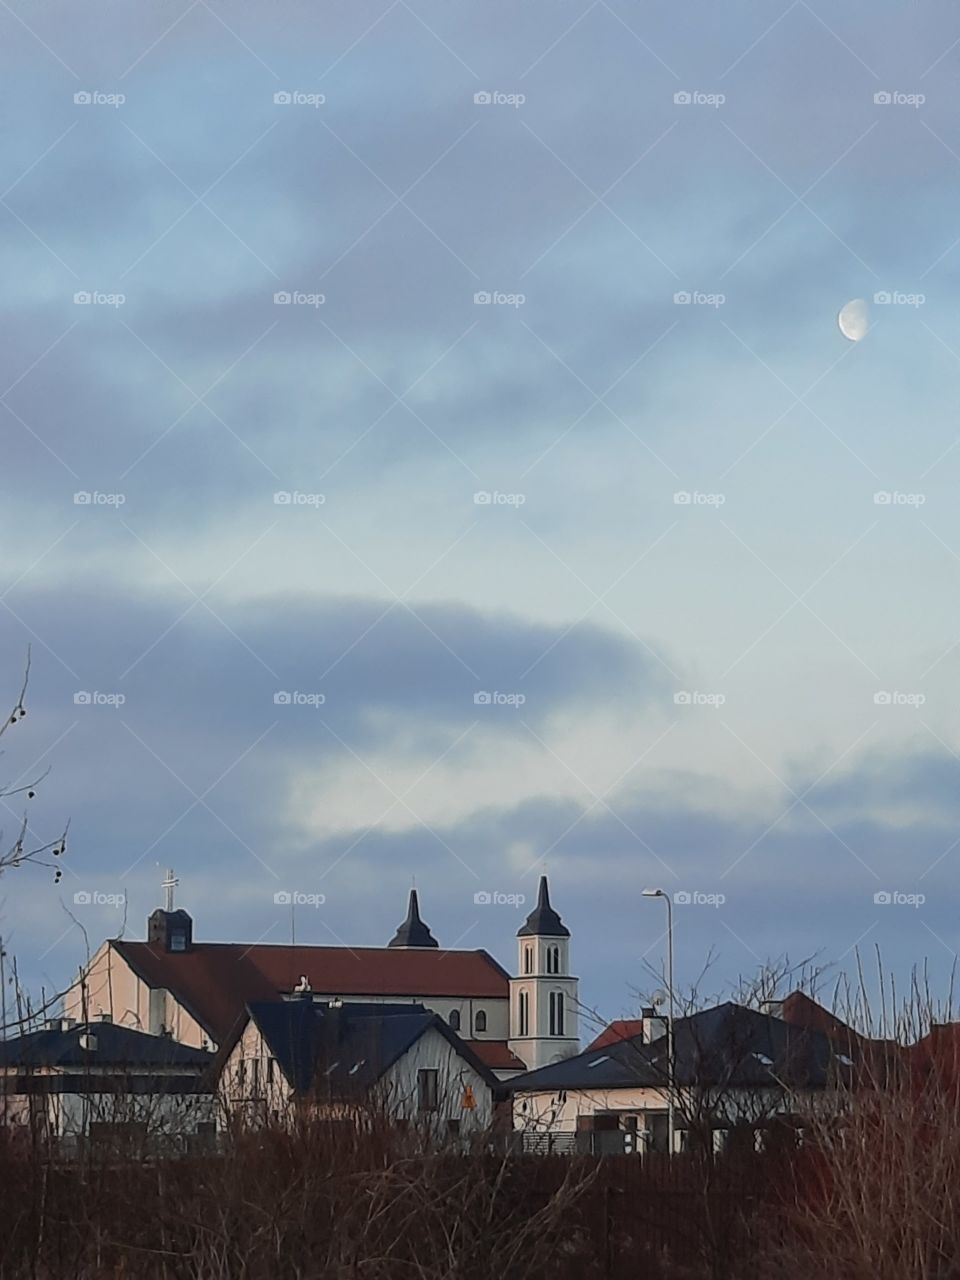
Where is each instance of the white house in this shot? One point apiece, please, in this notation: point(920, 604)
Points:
point(738, 1075)
point(346, 1059)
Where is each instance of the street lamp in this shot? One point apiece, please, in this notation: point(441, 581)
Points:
point(671, 1066)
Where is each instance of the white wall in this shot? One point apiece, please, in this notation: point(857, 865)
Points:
point(455, 1075)
point(557, 1112)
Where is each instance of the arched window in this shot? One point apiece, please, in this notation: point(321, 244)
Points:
point(556, 1013)
point(528, 959)
point(524, 1011)
point(480, 1021)
point(455, 1019)
point(553, 960)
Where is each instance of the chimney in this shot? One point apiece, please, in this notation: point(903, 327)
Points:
point(654, 1025)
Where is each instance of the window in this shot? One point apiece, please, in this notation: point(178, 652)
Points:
point(524, 1011)
point(556, 1013)
point(271, 1067)
point(528, 959)
point(426, 1089)
point(455, 1019)
point(255, 1074)
point(553, 959)
point(178, 940)
point(480, 1021)
point(241, 1072)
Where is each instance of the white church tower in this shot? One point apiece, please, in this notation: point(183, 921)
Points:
point(543, 997)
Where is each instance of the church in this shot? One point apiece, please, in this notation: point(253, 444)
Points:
point(199, 992)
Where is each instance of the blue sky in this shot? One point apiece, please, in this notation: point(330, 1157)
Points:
point(749, 694)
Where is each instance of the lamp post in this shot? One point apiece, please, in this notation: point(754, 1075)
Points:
point(671, 1066)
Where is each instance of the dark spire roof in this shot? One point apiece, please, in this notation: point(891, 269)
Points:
point(543, 921)
point(413, 932)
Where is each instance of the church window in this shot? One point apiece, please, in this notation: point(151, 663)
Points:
point(556, 1013)
point(553, 960)
point(528, 959)
point(524, 1010)
point(480, 1021)
point(455, 1019)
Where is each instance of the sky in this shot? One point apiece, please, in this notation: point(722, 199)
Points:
point(430, 453)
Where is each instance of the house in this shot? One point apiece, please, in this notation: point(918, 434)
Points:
point(199, 991)
point(340, 1059)
point(737, 1073)
point(95, 1080)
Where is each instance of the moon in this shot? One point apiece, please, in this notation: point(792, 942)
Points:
point(854, 319)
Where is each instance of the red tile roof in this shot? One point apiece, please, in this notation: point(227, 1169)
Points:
point(214, 981)
point(801, 1011)
point(496, 1055)
point(619, 1029)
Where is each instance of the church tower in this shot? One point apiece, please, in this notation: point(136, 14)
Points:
point(543, 997)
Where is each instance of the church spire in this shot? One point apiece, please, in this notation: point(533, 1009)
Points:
point(543, 921)
point(413, 932)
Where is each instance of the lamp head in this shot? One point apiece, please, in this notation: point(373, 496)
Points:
point(652, 893)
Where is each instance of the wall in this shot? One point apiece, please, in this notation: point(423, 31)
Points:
point(455, 1075)
point(253, 1094)
point(557, 1112)
point(112, 987)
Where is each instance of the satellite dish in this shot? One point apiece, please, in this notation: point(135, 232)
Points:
point(658, 999)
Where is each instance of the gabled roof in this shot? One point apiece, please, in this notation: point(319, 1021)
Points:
point(619, 1029)
point(116, 1046)
point(729, 1045)
point(215, 981)
point(342, 1051)
point(543, 921)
